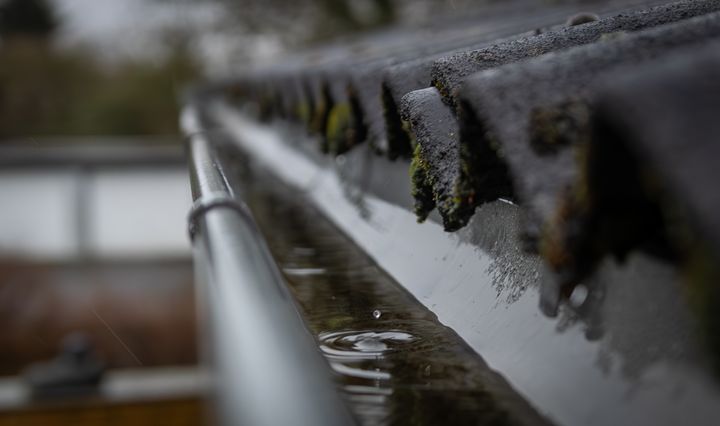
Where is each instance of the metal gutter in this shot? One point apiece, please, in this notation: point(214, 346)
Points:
point(266, 367)
point(618, 363)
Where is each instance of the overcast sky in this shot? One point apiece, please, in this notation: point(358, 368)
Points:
point(131, 27)
point(135, 28)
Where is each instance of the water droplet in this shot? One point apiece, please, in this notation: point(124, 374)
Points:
point(302, 272)
point(376, 314)
point(579, 296)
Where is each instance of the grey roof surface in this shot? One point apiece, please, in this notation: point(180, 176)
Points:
point(509, 102)
point(448, 72)
point(675, 131)
point(518, 104)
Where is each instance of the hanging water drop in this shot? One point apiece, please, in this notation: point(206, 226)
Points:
point(376, 314)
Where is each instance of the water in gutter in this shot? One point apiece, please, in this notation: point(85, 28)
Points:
point(395, 362)
point(626, 362)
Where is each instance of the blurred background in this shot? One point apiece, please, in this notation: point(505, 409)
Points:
point(100, 67)
point(95, 270)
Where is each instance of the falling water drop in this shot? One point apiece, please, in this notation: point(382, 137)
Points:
point(376, 314)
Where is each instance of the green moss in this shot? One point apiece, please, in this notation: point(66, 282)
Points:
point(303, 113)
point(316, 117)
point(462, 203)
point(411, 139)
point(558, 126)
point(345, 126)
point(421, 186)
point(339, 128)
point(483, 174)
point(444, 92)
point(455, 209)
point(428, 194)
point(317, 124)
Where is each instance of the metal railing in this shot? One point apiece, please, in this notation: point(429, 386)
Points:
point(100, 152)
point(79, 165)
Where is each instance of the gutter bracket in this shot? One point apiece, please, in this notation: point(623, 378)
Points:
point(211, 201)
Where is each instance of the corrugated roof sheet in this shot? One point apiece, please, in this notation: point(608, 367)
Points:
point(526, 107)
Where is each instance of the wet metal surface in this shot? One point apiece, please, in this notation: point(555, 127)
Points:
point(641, 368)
point(266, 365)
point(396, 363)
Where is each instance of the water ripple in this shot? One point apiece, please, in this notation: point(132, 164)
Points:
point(367, 344)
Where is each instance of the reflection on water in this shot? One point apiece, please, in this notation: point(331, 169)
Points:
point(396, 363)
